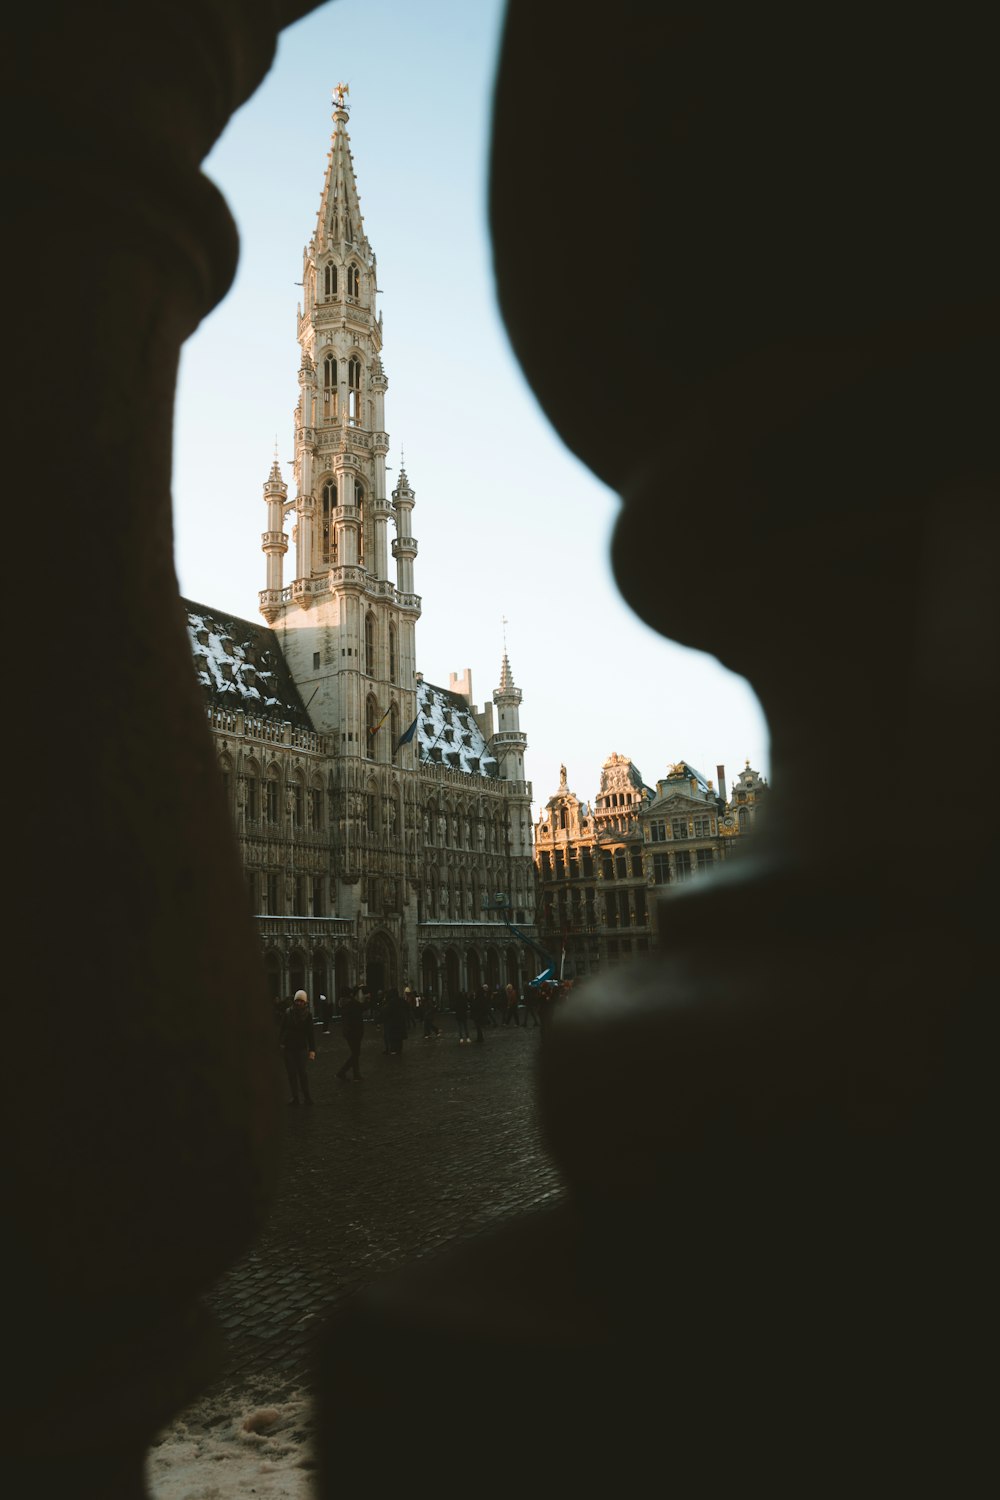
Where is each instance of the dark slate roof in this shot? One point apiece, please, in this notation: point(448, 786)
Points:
point(683, 772)
point(448, 734)
point(240, 665)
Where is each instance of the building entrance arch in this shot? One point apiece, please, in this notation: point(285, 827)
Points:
point(380, 964)
point(272, 969)
point(429, 975)
point(341, 976)
point(297, 974)
point(453, 974)
point(473, 969)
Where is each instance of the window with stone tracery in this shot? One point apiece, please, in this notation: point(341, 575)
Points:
point(370, 644)
point(330, 376)
point(330, 280)
point(353, 281)
point(354, 390)
point(328, 530)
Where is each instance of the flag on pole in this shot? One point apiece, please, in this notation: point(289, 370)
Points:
point(405, 738)
point(373, 729)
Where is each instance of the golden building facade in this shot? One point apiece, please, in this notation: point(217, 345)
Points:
point(603, 869)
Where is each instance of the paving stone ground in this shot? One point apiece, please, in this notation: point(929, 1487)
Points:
point(432, 1146)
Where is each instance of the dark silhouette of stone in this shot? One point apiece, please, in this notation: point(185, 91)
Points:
point(748, 263)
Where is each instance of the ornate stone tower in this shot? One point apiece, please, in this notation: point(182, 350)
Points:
point(342, 606)
point(346, 628)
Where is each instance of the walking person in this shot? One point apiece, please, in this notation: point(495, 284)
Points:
point(512, 1000)
point(426, 1005)
point(462, 1017)
point(298, 1042)
point(352, 1025)
point(531, 1006)
point(326, 1013)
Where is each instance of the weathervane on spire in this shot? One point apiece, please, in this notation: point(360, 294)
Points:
point(339, 90)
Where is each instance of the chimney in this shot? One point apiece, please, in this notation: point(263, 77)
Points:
point(720, 772)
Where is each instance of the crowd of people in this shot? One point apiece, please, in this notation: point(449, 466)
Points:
point(398, 1014)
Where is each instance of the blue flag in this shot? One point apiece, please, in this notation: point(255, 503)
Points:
point(404, 739)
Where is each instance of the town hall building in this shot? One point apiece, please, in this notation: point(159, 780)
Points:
point(379, 816)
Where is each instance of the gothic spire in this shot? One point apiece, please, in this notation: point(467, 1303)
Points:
point(339, 223)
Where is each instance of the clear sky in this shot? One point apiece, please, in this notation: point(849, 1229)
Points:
point(509, 522)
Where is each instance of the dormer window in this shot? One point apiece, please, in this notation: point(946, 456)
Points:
point(330, 280)
point(353, 281)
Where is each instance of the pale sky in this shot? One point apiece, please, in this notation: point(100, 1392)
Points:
point(508, 522)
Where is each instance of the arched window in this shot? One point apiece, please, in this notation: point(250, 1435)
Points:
point(272, 796)
point(359, 503)
point(392, 653)
point(298, 801)
point(393, 730)
point(329, 533)
point(329, 386)
point(353, 281)
point(744, 820)
point(370, 644)
point(316, 807)
point(354, 390)
point(330, 280)
point(252, 793)
point(371, 717)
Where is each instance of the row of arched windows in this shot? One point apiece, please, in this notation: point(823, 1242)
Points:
point(352, 279)
point(331, 388)
point(371, 648)
point(268, 797)
point(464, 825)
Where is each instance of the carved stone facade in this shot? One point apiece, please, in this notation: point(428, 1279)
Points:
point(376, 813)
point(603, 870)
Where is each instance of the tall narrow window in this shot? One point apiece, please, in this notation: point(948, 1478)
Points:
point(328, 522)
point(354, 390)
point(272, 805)
point(370, 645)
point(392, 653)
point(353, 281)
point(359, 504)
point(330, 280)
point(329, 386)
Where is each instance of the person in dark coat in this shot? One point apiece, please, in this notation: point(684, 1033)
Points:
point(298, 1043)
point(352, 1025)
point(395, 1020)
point(511, 1001)
point(426, 1007)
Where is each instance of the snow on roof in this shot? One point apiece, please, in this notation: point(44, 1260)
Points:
point(240, 665)
point(448, 734)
